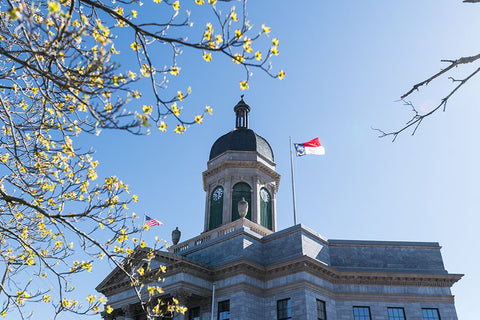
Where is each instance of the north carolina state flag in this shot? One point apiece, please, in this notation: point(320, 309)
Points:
point(310, 147)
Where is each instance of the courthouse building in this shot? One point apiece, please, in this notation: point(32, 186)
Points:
point(242, 267)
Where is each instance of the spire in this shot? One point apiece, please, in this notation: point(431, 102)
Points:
point(241, 110)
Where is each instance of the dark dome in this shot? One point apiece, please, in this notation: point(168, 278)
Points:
point(241, 139)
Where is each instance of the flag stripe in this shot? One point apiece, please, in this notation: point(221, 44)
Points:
point(152, 222)
point(313, 143)
point(310, 147)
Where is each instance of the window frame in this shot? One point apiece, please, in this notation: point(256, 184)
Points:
point(223, 306)
point(436, 317)
point(287, 308)
point(266, 210)
point(237, 196)
point(193, 313)
point(396, 317)
point(362, 317)
point(216, 207)
point(322, 316)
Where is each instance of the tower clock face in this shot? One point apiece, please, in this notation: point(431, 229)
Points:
point(264, 195)
point(217, 194)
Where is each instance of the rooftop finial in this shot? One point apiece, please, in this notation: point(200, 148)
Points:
point(241, 96)
point(241, 110)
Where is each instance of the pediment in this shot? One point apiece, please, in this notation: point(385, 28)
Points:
point(118, 277)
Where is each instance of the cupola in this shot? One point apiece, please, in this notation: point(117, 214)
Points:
point(241, 167)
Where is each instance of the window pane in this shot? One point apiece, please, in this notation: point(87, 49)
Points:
point(361, 313)
point(216, 207)
point(224, 310)
point(194, 313)
point(265, 209)
point(396, 314)
point(321, 312)
point(430, 314)
point(284, 309)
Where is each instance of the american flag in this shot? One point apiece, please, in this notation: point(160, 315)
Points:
point(152, 222)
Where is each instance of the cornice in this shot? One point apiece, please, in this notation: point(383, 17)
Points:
point(298, 265)
point(235, 164)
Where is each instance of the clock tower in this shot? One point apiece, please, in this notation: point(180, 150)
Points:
point(241, 168)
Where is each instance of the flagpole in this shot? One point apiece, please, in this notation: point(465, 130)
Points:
point(293, 185)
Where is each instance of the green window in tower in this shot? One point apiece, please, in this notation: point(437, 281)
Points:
point(216, 207)
point(241, 190)
point(265, 209)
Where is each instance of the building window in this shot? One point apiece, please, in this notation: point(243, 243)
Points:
point(216, 207)
point(396, 314)
point(284, 309)
point(321, 311)
point(194, 313)
point(224, 310)
point(361, 313)
point(265, 209)
point(430, 314)
point(241, 190)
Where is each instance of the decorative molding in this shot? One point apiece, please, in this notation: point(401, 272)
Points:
point(230, 164)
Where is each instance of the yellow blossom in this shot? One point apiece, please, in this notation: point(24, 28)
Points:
point(180, 95)
point(175, 109)
point(163, 126)
point(247, 44)
point(238, 58)
point(134, 13)
point(199, 2)
point(198, 119)
point(174, 71)
point(238, 34)
point(207, 56)
point(53, 7)
point(244, 85)
point(233, 16)
point(209, 109)
point(147, 109)
point(258, 56)
point(179, 129)
point(151, 290)
point(275, 42)
point(176, 5)
point(135, 46)
point(281, 75)
point(266, 29)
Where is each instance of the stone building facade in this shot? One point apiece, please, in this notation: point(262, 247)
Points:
point(241, 267)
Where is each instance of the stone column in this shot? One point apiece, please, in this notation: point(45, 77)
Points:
point(207, 209)
point(274, 208)
point(256, 200)
point(227, 201)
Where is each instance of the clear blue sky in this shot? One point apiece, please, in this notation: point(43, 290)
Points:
point(346, 64)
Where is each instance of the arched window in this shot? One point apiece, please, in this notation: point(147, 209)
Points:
point(216, 207)
point(241, 190)
point(265, 209)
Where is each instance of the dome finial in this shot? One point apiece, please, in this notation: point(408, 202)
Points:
point(241, 110)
